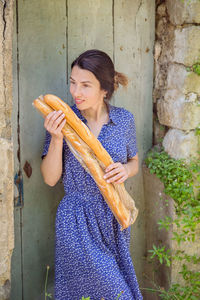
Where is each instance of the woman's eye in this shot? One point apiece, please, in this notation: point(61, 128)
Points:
point(71, 82)
point(85, 85)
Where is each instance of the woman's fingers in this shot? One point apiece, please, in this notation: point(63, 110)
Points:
point(116, 172)
point(54, 123)
point(53, 119)
point(113, 172)
point(47, 118)
point(113, 166)
point(114, 178)
point(57, 121)
point(122, 179)
point(113, 169)
point(51, 116)
point(62, 124)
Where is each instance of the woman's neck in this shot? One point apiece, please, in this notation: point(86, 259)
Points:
point(97, 113)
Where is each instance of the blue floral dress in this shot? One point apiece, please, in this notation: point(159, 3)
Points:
point(92, 257)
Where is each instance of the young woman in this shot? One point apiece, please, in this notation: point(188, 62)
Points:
point(92, 256)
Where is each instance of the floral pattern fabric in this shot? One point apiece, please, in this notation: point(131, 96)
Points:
point(92, 257)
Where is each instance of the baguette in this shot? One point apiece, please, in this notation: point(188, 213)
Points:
point(90, 139)
point(82, 130)
point(81, 149)
point(42, 107)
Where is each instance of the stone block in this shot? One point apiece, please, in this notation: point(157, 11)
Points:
point(2, 96)
point(176, 77)
point(6, 216)
point(2, 119)
point(161, 10)
point(5, 289)
point(173, 95)
point(158, 132)
point(189, 247)
point(192, 83)
point(179, 144)
point(186, 45)
point(179, 114)
point(161, 27)
point(157, 50)
point(180, 108)
point(181, 81)
point(4, 146)
point(181, 12)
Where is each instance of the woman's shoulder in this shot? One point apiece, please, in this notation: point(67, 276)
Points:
point(121, 113)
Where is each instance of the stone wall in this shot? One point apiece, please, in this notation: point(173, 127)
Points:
point(6, 148)
point(177, 87)
point(176, 99)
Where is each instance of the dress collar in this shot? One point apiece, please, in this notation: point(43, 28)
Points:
point(111, 111)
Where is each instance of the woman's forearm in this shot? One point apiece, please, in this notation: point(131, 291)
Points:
point(51, 166)
point(132, 167)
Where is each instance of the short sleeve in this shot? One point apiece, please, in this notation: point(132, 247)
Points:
point(46, 144)
point(131, 138)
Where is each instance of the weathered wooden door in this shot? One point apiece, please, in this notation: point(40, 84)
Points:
point(48, 35)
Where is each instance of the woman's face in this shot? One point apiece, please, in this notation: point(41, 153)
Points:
point(85, 89)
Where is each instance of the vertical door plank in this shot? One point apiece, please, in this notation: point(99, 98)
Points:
point(133, 52)
point(42, 62)
point(89, 26)
point(133, 41)
point(16, 270)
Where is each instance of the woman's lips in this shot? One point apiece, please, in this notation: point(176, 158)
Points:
point(78, 101)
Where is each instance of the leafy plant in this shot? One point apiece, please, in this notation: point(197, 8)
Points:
point(182, 183)
point(162, 254)
point(45, 287)
point(196, 68)
point(197, 130)
point(119, 294)
point(187, 1)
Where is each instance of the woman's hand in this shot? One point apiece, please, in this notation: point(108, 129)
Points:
point(116, 172)
point(54, 123)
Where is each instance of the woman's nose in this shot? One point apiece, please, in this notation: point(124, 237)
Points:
point(77, 91)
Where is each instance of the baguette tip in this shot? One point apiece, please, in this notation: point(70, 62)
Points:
point(41, 97)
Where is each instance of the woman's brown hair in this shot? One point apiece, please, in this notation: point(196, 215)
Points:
point(101, 65)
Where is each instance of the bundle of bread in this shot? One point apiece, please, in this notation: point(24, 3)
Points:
point(93, 157)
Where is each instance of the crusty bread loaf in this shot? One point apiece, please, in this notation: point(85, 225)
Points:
point(116, 196)
point(42, 107)
point(90, 139)
point(82, 130)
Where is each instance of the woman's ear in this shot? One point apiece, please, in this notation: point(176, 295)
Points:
point(105, 94)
